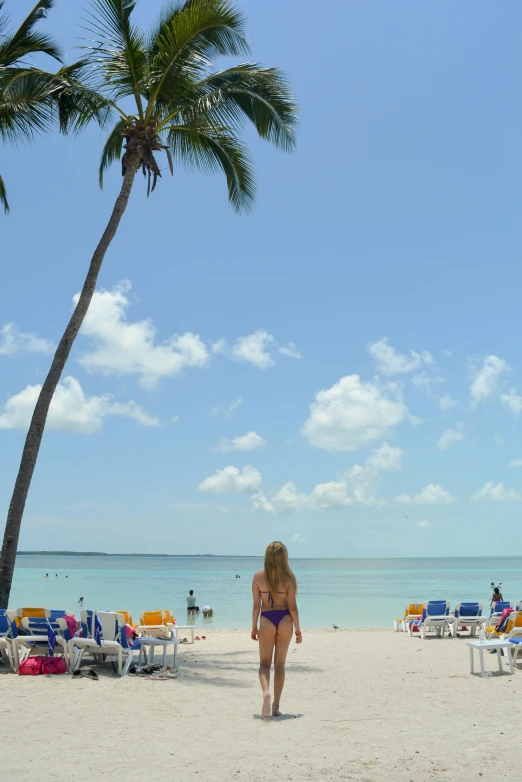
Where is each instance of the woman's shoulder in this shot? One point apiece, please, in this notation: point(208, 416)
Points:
point(259, 576)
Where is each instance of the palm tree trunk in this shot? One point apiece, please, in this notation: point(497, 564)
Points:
point(37, 426)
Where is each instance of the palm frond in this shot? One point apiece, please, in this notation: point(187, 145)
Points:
point(209, 149)
point(246, 92)
point(112, 149)
point(26, 40)
point(4, 19)
point(31, 99)
point(24, 105)
point(188, 38)
point(76, 100)
point(3, 191)
point(118, 48)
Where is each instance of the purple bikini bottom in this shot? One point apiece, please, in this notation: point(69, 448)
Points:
point(275, 615)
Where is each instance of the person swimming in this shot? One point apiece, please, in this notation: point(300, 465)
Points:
point(80, 601)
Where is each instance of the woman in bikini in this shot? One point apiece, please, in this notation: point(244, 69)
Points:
point(274, 590)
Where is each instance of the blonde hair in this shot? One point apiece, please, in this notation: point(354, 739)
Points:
point(277, 570)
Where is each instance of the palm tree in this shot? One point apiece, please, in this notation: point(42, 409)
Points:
point(182, 107)
point(32, 100)
point(24, 109)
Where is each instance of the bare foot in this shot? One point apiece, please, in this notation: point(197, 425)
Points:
point(275, 710)
point(265, 711)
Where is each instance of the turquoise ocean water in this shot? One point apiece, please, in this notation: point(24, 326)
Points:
point(348, 592)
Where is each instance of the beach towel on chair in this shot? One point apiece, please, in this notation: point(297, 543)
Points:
point(503, 621)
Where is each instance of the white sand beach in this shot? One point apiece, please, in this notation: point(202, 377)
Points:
point(358, 705)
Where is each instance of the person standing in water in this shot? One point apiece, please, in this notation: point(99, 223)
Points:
point(497, 596)
point(274, 591)
point(191, 602)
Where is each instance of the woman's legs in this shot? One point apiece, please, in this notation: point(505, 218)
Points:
point(282, 642)
point(267, 635)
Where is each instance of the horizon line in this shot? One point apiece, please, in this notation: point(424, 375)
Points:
point(67, 553)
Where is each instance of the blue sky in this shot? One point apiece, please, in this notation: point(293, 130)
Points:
point(378, 274)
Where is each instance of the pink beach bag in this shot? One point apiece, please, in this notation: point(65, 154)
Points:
point(32, 666)
point(51, 665)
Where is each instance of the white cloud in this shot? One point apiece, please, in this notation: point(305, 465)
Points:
point(124, 348)
point(289, 350)
point(260, 503)
point(446, 403)
point(246, 442)
point(287, 499)
point(385, 459)
point(390, 362)
point(513, 401)
point(334, 494)
point(497, 492)
point(71, 409)
point(433, 494)
point(356, 486)
point(426, 382)
point(229, 409)
point(257, 349)
point(424, 524)
point(352, 413)
point(450, 436)
point(498, 440)
point(298, 538)
point(14, 341)
point(175, 419)
point(231, 480)
point(515, 463)
point(486, 378)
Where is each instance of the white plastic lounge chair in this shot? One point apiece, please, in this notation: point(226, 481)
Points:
point(37, 640)
point(8, 632)
point(514, 626)
point(411, 612)
point(107, 636)
point(469, 616)
point(435, 617)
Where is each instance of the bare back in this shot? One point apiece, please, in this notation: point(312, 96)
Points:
point(270, 601)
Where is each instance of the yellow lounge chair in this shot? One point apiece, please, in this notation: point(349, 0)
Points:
point(514, 625)
point(411, 612)
point(127, 616)
point(31, 613)
point(156, 624)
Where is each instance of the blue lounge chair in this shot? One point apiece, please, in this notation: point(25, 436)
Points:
point(469, 616)
point(37, 638)
point(435, 617)
point(8, 632)
point(517, 644)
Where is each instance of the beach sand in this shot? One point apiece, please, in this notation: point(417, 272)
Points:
point(358, 705)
